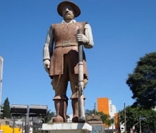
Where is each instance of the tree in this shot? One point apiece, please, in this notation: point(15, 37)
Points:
point(89, 112)
point(142, 82)
point(6, 109)
point(104, 117)
point(49, 116)
point(135, 114)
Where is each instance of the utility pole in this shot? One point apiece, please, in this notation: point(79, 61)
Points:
point(94, 108)
point(27, 121)
point(1, 72)
point(125, 118)
point(140, 124)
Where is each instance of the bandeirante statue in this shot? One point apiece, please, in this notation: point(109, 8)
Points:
point(61, 59)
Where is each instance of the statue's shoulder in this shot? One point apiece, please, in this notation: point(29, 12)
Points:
point(53, 26)
point(81, 22)
point(57, 24)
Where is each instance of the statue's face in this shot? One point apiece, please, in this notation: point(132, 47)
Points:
point(68, 13)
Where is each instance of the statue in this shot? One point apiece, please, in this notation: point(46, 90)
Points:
point(61, 58)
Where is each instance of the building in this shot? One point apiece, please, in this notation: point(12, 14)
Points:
point(105, 105)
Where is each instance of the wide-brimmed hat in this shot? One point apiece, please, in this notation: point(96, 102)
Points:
point(76, 9)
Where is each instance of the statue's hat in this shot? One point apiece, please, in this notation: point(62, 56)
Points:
point(74, 6)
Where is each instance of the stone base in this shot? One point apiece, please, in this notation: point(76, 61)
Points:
point(67, 128)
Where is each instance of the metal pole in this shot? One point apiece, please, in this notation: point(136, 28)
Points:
point(27, 120)
point(135, 124)
point(140, 125)
point(22, 124)
point(125, 117)
point(94, 108)
point(1, 73)
point(13, 124)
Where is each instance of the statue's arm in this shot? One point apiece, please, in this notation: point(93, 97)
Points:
point(89, 35)
point(48, 45)
point(48, 49)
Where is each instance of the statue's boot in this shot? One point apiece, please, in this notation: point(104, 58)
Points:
point(75, 110)
point(61, 109)
point(64, 111)
point(75, 107)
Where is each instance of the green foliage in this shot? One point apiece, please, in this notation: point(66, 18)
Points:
point(133, 115)
point(104, 118)
point(142, 82)
point(49, 116)
point(89, 112)
point(6, 109)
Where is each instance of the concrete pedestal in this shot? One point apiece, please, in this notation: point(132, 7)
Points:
point(67, 128)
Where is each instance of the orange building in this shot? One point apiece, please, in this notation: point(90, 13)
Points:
point(105, 105)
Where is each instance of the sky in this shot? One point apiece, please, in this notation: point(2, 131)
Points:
point(123, 32)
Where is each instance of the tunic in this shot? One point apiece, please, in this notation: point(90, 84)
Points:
point(66, 43)
point(60, 41)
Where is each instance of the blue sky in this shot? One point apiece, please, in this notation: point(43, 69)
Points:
point(123, 31)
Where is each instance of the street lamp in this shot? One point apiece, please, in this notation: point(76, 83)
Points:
point(141, 119)
point(139, 122)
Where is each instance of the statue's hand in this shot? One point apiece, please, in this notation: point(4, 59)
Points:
point(46, 65)
point(82, 38)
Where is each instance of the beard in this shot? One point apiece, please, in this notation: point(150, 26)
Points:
point(68, 16)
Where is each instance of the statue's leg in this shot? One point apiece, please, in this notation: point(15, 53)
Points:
point(74, 97)
point(75, 109)
point(61, 108)
point(60, 100)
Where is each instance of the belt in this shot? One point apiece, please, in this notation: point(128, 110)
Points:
point(65, 44)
